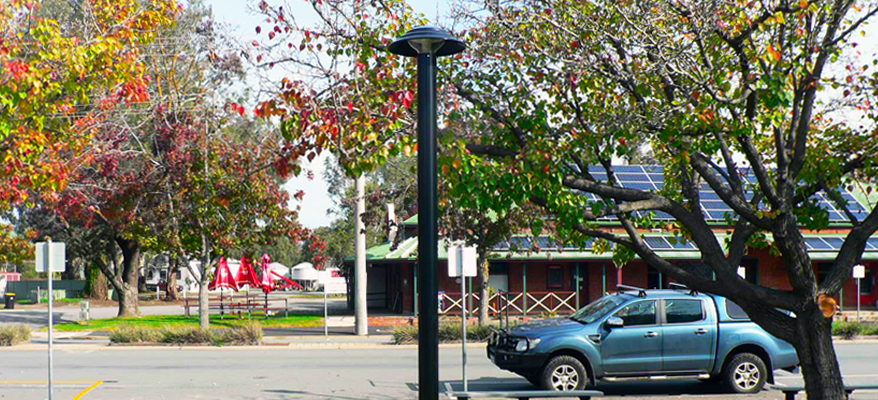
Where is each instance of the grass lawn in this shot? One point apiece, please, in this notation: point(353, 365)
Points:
point(180, 321)
point(46, 300)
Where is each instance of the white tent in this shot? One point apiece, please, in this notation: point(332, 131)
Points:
point(304, 272)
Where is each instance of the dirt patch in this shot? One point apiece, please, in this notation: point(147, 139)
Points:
point(392, 321)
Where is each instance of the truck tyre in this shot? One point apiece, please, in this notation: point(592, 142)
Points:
point(744, 373)
point(564, 373)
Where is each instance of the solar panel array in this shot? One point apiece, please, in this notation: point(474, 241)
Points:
point(651, 177)
point(664, 243)
point(833, 243)
point(546, 243)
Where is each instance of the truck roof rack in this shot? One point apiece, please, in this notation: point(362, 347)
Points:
point(680, 286)
point(641, 292)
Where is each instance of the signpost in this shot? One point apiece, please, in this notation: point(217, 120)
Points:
point(462, 264)
point(50, 259)
point(331, 285)
point(859, 273)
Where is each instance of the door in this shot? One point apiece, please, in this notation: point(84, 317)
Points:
point(635, 348)
point(689, 336)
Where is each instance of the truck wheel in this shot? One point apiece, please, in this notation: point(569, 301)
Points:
point(745, 373)
point(564, 373)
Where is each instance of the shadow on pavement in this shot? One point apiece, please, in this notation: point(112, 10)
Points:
point(300, 394)
point(31, 318)
point(627, 388)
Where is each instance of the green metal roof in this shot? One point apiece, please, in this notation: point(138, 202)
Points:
point(407, 251)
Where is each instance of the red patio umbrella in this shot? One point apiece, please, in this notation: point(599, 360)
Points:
point(267, 284)
point(223, 279)
point(247, 275)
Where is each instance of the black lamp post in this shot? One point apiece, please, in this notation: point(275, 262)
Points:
point(427, 43)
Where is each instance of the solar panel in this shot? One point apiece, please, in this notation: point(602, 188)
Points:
point(834, 242)
point(873, 242)
point(656, 243)
point(816, 243)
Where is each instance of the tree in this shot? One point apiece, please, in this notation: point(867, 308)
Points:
point(56, 83)
point(716, 89)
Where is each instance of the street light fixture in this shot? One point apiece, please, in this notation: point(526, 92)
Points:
point(427, 43)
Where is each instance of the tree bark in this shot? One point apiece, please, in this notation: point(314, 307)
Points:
point(819, 363)
point(203, 281)
point(127, 285)
point(99, 285)
point(484, 277)
point(173, 268)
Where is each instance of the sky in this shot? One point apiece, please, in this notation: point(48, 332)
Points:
point(242, 22)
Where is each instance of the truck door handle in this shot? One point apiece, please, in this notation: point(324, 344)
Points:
point(650, 334)
point(701, 331)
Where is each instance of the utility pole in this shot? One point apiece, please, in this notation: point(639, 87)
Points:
point(360, 301)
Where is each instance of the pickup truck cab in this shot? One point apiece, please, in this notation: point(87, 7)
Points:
point(637, 333)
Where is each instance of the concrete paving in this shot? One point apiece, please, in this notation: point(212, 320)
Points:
point(272, 372)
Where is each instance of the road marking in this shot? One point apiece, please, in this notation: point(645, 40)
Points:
point(24, 381)
point(89, 389)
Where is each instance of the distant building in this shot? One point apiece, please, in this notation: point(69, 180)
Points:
point(561, 279)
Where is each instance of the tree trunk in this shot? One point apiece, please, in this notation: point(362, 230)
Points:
point(141, 276)
point(173, 268)
point(204, 280)
point(127, 291)
point(97, 284)
point(128, 301)
point(817, 356)
point(484, 277)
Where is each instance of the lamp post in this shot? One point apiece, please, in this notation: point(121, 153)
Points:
point(427, 43)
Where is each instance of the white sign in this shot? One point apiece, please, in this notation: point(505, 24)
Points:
point(461, 260)
point(335, 286)
point(55, 252)
point(859, 272)
point(323, 276)
point(742, 272)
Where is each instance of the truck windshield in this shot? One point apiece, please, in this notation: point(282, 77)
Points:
point(597, 309)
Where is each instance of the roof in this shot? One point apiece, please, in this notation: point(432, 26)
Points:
point(820, 247)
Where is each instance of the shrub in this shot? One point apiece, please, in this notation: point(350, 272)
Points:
point(405, 335)
point(192, 335)
point(133, 334)
point(247, 334)
point(14, 334)
point(847, 330)
point(870, 330)
point(447, 333)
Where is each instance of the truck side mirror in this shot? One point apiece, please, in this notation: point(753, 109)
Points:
point(615, 322)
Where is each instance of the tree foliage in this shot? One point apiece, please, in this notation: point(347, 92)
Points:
point(549, 89)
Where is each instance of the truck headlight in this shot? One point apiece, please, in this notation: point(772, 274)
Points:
point(526, 344)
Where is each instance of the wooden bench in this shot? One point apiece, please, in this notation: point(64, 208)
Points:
point(790, 392)
point(527, 394)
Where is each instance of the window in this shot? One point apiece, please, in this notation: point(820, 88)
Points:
point(640, 313)
point(867, 283)
point(555, 277)
point(679, 311)
point(735, 311)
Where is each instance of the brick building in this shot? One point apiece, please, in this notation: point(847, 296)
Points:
point(562, 280)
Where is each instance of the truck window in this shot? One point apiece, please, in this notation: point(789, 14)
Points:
point(639, 313)
point(735, 311)
point(679, 311)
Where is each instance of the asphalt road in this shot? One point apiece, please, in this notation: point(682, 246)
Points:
point(283, 373)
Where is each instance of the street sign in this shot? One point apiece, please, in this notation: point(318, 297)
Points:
point(335, 286)
point(859, 272)
point(461, 260)
point(55, 253)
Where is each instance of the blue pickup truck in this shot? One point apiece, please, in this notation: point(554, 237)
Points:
point(637, 333)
